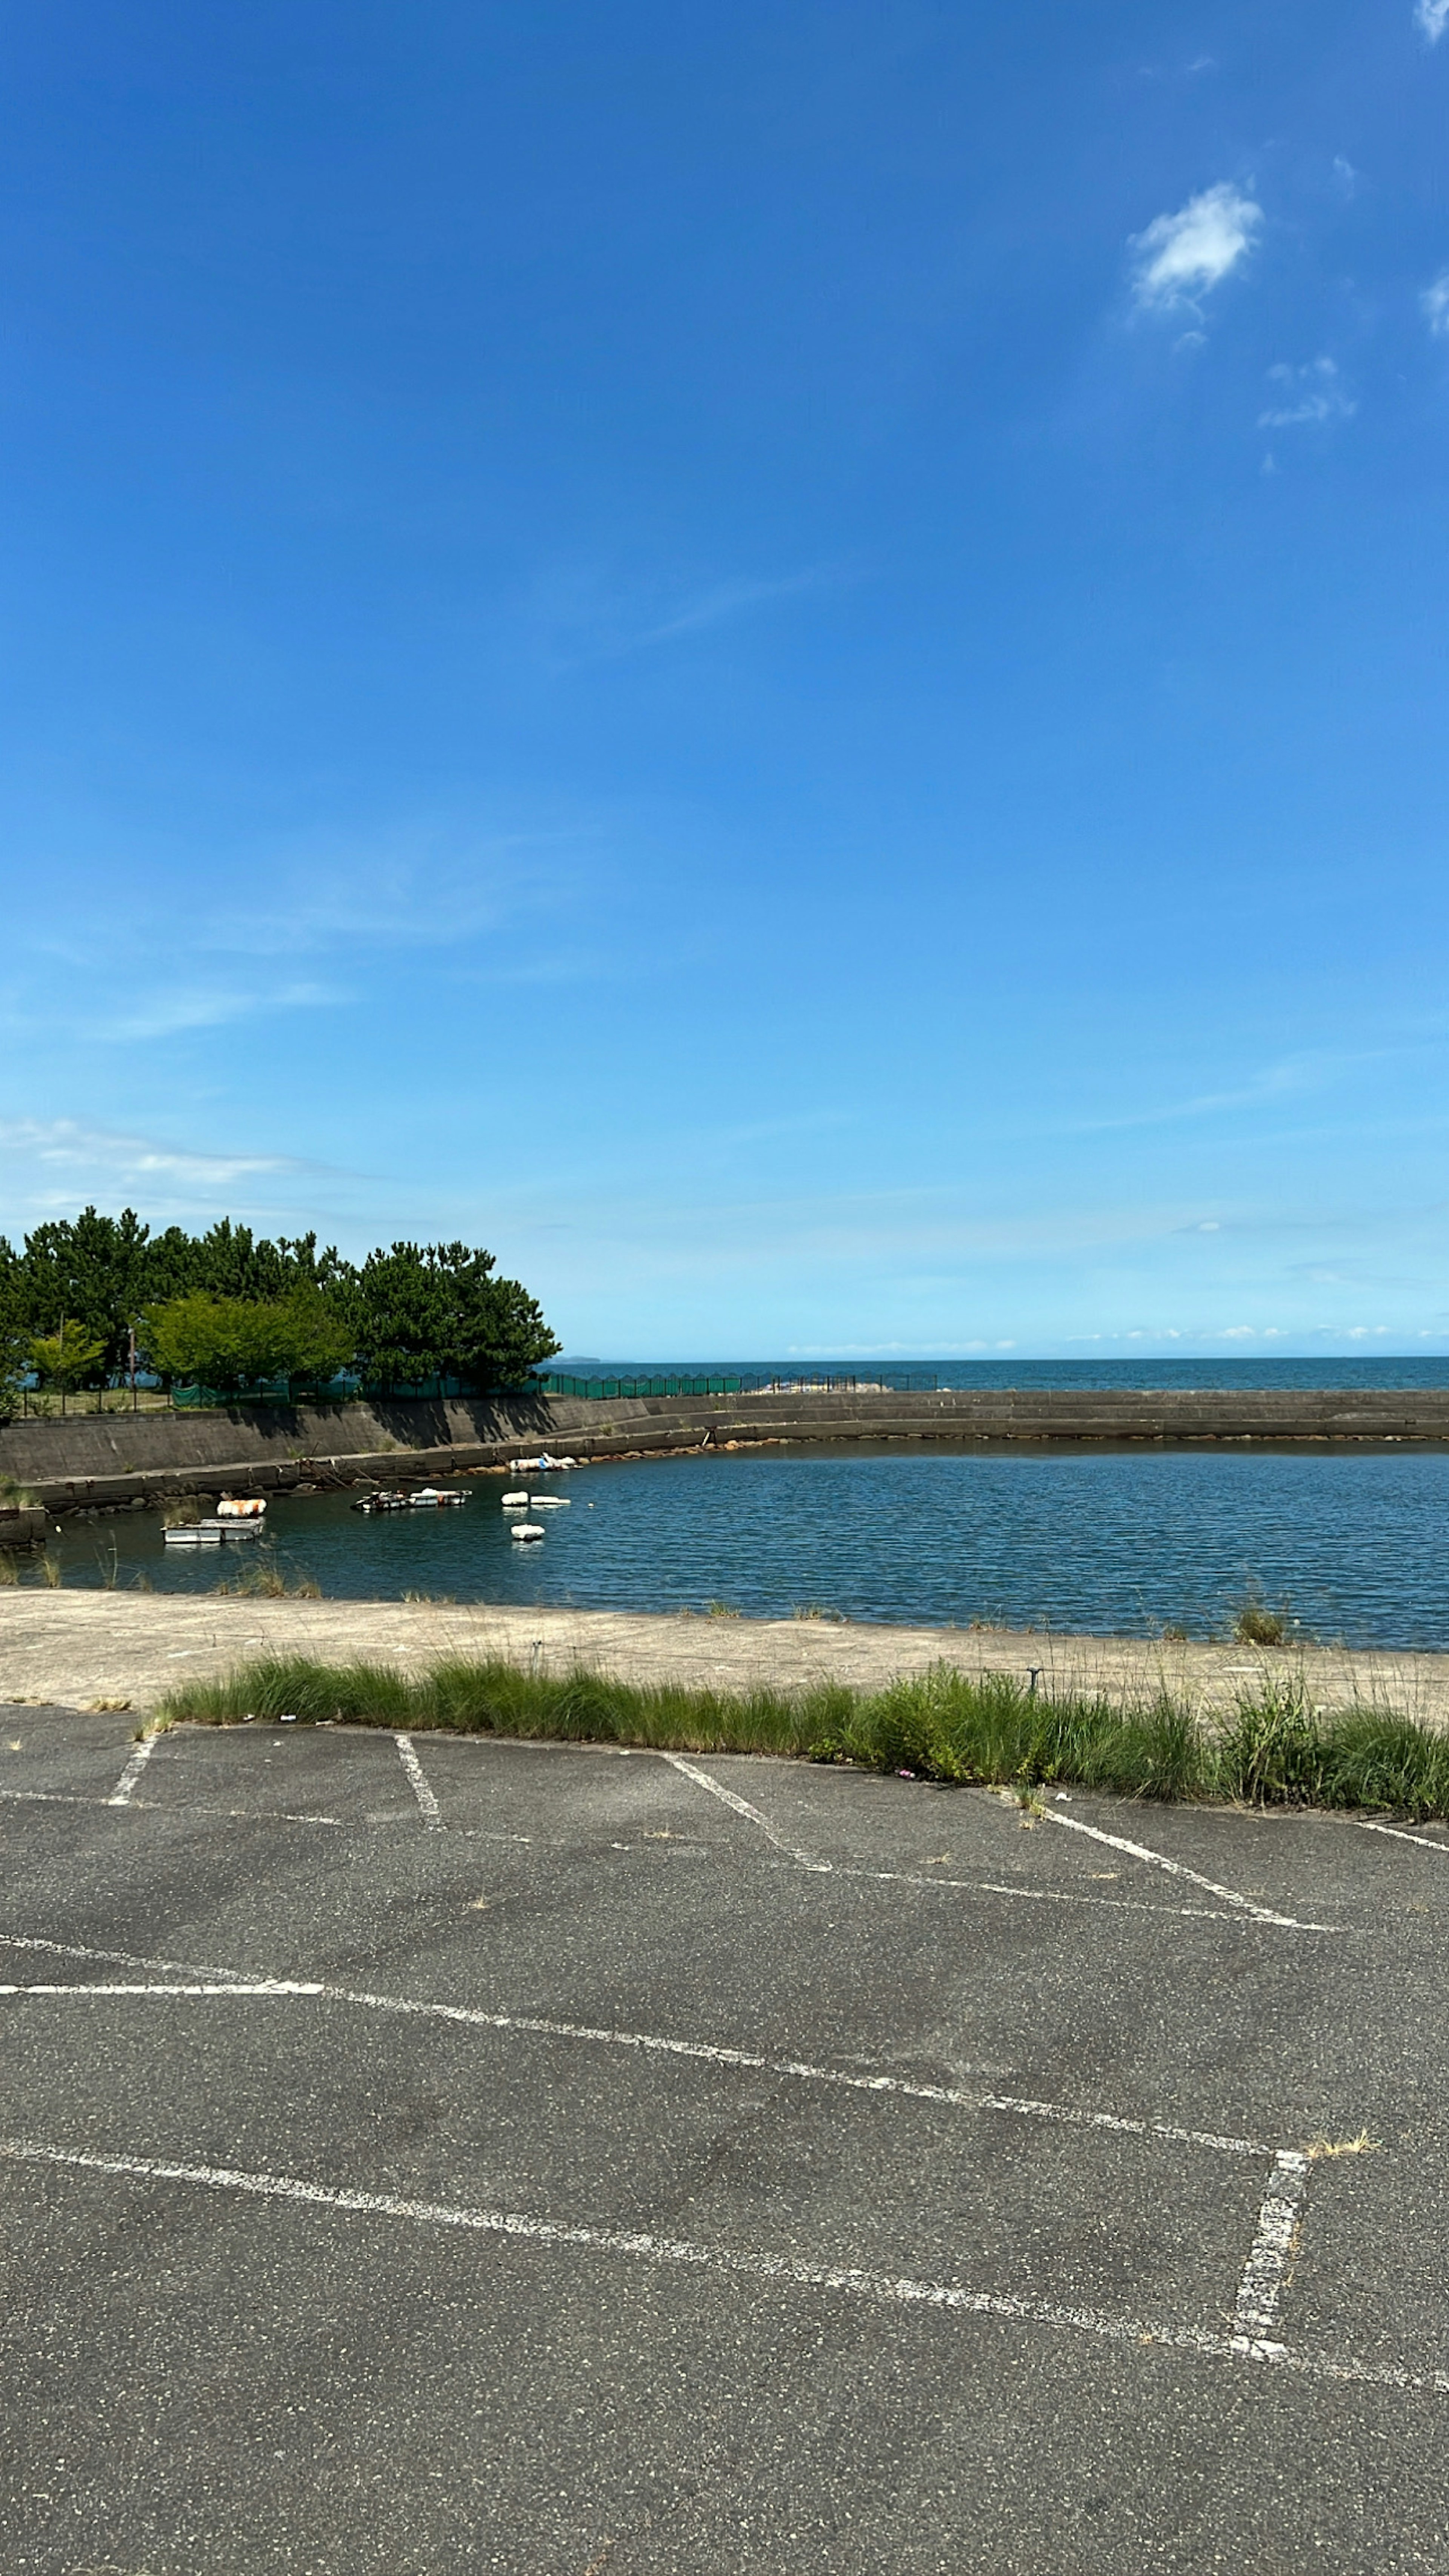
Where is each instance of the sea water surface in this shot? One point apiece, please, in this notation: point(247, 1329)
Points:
point(1353, 1544)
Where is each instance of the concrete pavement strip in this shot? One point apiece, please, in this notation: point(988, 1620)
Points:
point(78, 1647)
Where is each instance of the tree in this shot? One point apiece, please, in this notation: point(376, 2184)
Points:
point(67, 1359)
point(232, 1342)
point(89, 1274)
point(14, 1330)
point(435, 1310)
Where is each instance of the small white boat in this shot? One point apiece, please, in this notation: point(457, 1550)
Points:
point(548, 1502)
point(526, 1529)
point(210, 1532)
point(433, 1498)
point(515, 1502)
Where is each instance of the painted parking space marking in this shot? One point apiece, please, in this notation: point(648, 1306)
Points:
point(231, 1989)
point(1118, 1843)
point(1255, 2317)
point(1421, 1842)
point(170, 1807)
point(194, 1981)
point(783, 2271)
point(742, 1807)
point(1179, 1869)
point(418, 1781)
point(122, 1793)
point(1073, 1896)
point(1242, 1908)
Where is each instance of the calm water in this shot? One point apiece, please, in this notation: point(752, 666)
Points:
point(1391, 1371)
point(1109, 1540)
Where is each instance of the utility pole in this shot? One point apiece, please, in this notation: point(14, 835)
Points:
point(133, 1367)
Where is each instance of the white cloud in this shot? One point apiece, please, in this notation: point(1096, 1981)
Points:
point(1433, 17)
point(170, 1014)
point(1311, 393)
point(1434, 302)
point(63, 1144)
point(1180, 256)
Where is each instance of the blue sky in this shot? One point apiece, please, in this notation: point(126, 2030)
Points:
point(787, 661)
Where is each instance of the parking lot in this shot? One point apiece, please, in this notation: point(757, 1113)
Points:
point(433, 2153)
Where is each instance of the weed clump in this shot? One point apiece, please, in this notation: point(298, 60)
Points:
point(1276, 1749)
point(1257, 1625)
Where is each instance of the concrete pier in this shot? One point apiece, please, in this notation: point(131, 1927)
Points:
point(103, 1461)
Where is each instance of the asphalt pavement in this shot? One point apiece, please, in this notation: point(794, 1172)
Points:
point(434, 2154)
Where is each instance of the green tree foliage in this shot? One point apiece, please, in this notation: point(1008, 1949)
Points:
point(230, 1307)
point(98, 1273)
point(437, 1310)
point(233, 1342)
point(87, 1273)
point(67, 1359)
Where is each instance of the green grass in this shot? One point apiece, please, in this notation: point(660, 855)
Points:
point(1276, 1748)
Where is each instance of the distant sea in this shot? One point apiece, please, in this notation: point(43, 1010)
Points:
point(964, 1374)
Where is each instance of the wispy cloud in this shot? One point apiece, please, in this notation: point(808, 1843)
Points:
point(1433, 17)
point(1434, 302)
point(729, 599)
point(1311, 393)
point(1180, 257)
point(64, 1144)
point(171, 1014)
point(590, 616)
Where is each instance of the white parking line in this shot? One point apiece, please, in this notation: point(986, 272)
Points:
point(263, 1986)
point(121, 1794)
point(742, 1807)
point(1072, 1896)
point(208, 1981)
point(155, 1807)
point(115, 1958)
point(1179, 1869)
point(1420, 1842)
point(775, 2270)
point(419, 1780)
point(1260, 2288)
point(1138, 1851)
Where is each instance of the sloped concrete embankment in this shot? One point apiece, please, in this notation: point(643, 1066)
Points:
point(105, 1461)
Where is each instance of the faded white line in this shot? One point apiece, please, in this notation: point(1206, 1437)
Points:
point(647, 2043)
point(1256, 2314)
point(1070, 1896)
point(263, 1986)
point(407, 1755)
point(115, 1958)
point(121, 1794)
point(836, 1869)
point(172, 1807)
point(1419, 1841)
point(1129, 2128)
point(775, 2270)
point(1179, 1869)
point(742, 1807)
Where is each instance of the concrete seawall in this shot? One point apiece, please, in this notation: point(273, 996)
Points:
point(109, 1461)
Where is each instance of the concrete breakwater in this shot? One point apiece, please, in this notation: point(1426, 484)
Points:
point(106, 1462)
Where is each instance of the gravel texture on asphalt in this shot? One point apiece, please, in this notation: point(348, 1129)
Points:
point(462, 2155)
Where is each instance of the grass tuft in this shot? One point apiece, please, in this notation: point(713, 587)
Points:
point(1277, 1749)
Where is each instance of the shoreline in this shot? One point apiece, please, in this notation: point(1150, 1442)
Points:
point(71, 1649)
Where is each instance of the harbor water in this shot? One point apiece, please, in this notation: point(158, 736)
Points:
point(1349, 1543)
